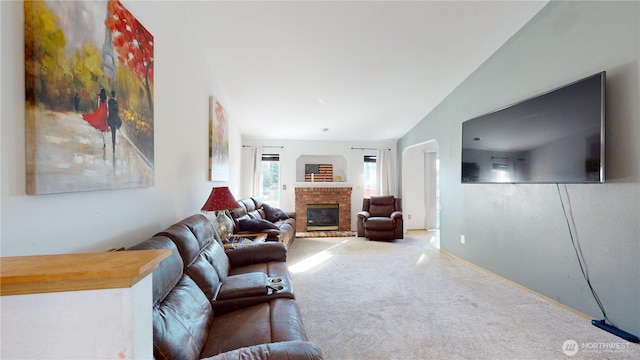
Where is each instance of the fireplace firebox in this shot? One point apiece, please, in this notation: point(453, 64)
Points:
point(323, 217)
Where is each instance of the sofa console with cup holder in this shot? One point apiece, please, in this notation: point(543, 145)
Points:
point(208, 303)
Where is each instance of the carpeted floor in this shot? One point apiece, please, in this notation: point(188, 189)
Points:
point(361, 299)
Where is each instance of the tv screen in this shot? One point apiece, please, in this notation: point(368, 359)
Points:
point(555, 137)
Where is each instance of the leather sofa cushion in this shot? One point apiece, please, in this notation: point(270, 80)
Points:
point(181, 322)
point(181, 312)
point(380, 223)
point(202, 229)
point(275, 321)
point(381, 205)
point(272, 269)
point(166, 276)
point(249, 204)
point(269, 258)
point(280, 350)
point(205, 275)
point(251, 207)
point(273, 214)
point(256, 225)
point(243, 285)
point(238, 212)
point(288, 225)
point(195, 238)
point(260, 253)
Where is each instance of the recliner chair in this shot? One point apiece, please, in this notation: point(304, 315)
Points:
point(381, 218)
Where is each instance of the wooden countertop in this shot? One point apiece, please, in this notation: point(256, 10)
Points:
point(71, 272)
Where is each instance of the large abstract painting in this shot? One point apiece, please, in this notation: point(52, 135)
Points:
point(89, 97)
point(218, 142)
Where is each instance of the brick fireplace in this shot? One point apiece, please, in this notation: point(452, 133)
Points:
point(323, 195)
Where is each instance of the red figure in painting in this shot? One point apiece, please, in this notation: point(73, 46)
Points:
point(98, 119)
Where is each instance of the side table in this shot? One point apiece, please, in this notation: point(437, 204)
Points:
point(245, 239)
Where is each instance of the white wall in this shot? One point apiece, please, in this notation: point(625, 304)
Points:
point(100, 220)
point(292, 150)
point(519, 231)
point(88, 324)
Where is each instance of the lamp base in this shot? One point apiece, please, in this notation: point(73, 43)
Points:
point(223, 225)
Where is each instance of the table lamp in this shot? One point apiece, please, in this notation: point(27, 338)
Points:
point(220, 200)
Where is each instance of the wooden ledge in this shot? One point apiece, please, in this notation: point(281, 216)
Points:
point(21, 275)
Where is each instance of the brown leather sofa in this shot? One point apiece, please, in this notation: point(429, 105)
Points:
point(208, 303)
point(381, 218)
point(250, 217)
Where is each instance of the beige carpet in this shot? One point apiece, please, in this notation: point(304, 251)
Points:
point(405, 300)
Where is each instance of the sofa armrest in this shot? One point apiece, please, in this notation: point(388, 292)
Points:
point(291, 214)
point(396, 215)
point(364, 214)
point(290, 350)
point(258, 253)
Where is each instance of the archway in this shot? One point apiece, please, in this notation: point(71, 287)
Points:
point(420, 191)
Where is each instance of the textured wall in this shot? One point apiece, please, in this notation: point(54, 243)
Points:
point(519, 231)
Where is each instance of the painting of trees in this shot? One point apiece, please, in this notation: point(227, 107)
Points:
point(44, 57)
point(134, 45)
point(218, 142)
point(75, 50)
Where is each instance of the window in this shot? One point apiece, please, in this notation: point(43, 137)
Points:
point(501, 169)
point(270, 169)
point(369, 177)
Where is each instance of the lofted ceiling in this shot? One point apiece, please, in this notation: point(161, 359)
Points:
point(346, 70)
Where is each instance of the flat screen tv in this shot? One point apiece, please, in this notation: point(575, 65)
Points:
point(555, 137)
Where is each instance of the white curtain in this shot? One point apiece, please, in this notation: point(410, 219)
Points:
point(250, 182)
point(257, 172)
point(246, 173)
point(383, 171)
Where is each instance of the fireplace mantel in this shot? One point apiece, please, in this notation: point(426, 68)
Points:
point(324, 194)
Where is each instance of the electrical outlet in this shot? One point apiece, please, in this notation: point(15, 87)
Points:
point(462, 240)
point(409, 217)
point(284, 186)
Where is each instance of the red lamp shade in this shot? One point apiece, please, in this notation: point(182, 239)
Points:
point(220, 199)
